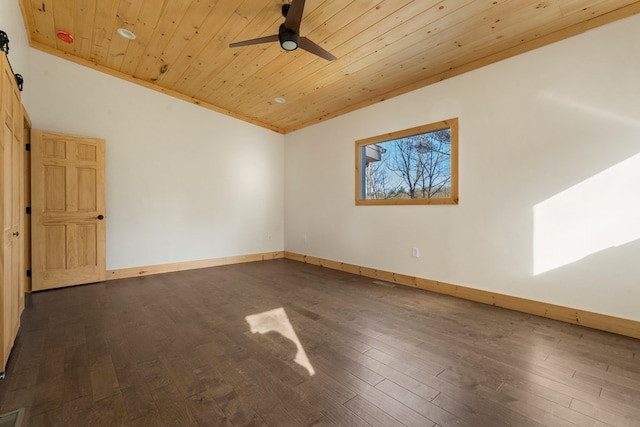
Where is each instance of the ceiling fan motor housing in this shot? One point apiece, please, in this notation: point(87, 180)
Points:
point(289, 39)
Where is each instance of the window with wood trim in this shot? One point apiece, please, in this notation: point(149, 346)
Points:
point(417, 166)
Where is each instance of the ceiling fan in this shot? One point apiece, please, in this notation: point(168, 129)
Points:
point(289, 33)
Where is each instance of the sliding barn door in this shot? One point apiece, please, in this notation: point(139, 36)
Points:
point(12, 271)
point(68, 210)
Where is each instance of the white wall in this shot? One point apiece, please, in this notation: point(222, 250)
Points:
point(553, 135)
point(531, 127)
point(183, 183)
point(11, 23)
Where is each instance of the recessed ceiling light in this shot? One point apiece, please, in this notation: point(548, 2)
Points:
point(280, 100)
point(126, 33)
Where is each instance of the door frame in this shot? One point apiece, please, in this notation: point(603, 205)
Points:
point(27, 200)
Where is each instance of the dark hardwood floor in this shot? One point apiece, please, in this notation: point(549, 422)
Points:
point(177, 350)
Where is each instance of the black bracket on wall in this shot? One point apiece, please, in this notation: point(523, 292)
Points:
point(4, 46)
point(19, 81)
point(4, 42)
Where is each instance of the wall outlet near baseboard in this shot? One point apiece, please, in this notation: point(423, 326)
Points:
point(415, 252)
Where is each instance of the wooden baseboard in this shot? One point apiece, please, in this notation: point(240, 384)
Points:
point(125, 273)
point(599, 321)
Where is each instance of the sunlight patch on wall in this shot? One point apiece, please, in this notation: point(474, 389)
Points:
point(585, 108)
point(277, 321)
point(598, 213)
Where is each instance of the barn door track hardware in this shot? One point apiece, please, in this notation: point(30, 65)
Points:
point(4, 46)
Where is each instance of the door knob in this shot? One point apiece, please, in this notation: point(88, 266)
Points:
point(100, 217)
point(16, 233)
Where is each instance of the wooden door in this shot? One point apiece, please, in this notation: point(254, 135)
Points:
point(12, 273)
point(68, 210)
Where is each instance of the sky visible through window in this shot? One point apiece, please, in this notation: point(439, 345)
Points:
point(411, 167)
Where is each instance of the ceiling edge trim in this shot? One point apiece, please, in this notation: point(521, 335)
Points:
point(565, 33)
point(559, 35)
point(149, 85)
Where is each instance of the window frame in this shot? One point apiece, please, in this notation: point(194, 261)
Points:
point(452, 124)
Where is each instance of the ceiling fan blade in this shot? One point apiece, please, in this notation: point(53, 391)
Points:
point(259, 40)
point(294, 15)
point(310, 46)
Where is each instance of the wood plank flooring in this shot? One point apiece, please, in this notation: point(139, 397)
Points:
point(176, 350)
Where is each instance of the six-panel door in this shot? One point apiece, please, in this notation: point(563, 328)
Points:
point(68, 210)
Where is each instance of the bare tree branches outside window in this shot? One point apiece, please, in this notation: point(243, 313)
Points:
point(413, 166)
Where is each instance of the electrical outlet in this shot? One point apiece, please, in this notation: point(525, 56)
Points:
point(269, 237)
point(304, 239)
point(415, 252)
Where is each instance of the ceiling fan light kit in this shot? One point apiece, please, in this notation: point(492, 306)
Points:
point(289, 33)
point(289, 39)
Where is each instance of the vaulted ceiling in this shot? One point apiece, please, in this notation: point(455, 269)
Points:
point(384, 47)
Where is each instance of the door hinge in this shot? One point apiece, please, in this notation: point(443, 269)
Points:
point(28, 210)
point(29, 273)
point(27, 147)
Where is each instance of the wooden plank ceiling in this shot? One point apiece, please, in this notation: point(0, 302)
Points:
point(384, 47)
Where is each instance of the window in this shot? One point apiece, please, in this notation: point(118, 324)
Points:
point(416, 166)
